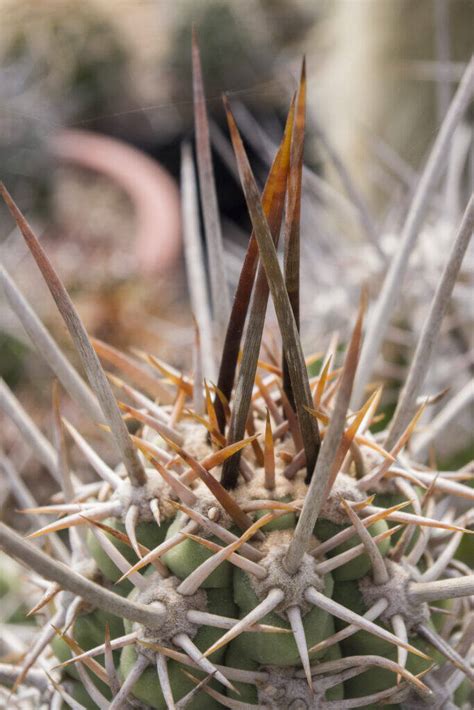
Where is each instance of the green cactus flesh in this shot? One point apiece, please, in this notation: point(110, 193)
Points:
point(188, 555)
point(148, 534)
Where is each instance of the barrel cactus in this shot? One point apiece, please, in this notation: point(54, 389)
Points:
point(258, 545)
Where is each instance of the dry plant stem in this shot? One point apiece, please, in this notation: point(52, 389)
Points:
point(222, 146)
point(443, 559)
point(152, 450)
point(118, 559)
point(293, 218)
point(225, 622)
point(317, 488)
point(353, 552)
point(273, 203)
point(442, 48)
point(163, 677)
point(134, 372)
point(38, 443)
point(365, 219)
point(114, 644)
point(24, 498)
point(51, 591)
point(267, 397)
point(448, 652)
point(57, 572)
point(92, 664)
point(59, 441)
point(184, 642)
point(401, 517)
point(99, 466)
point(61, 695)
point(212, 226)
point(218, 491)
point(383, 309)
point(348, 532)
point(93, 692)
point(371, 614)
point(9, 674)
point(394, 694)
point(442, 420)
point(379, 569)
point(244, 387)
point(296, 622)
point(45, 636)
point(152, 422)
point(243, 562)
point(269, 456)
point(202, 685)
point(445, 673)
point(394, 451)
point(183, 492)
point(193, 581)
point(113, 679)
point(292, 419)
point(198, 377)
point(138, 397)
point(99, 511)
point(112, 532)
point(286, 320)
point(442, 589)
point(400, 630)
point(336, 609)
point(273, 598)
point(48, 348)
point(119, 701)
point(154, 554)
point(257, 449)
point(231, 673)
point(199, 685)
point(367, 661)
point(445, 486)
point(182, 383)
point(220, 532)
point(312, 182)
point(419, 365)
point(89, 359)
point(349, 438)
point(455, 172)
point(194, 260)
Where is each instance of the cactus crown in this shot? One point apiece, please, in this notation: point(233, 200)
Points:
point(258, 546)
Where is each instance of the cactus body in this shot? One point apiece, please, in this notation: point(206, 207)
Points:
point(294, 567)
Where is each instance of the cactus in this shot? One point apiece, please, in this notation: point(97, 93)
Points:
point(257, 546)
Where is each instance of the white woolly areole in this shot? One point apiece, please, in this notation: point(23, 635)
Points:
point(283, 691)
point(210, 507)
point(195, 439)
point(395, 591)
point(372, 459)
point(140, 496)
point(344, 487)
point(256, 489)
point(164, 590)
point(293, 586)
point(442, 698)
point(88, 568)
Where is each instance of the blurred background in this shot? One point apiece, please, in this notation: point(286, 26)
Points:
point(95, 101)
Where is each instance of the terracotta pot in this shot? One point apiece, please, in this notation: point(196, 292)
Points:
point(152, 191)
